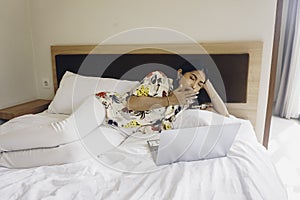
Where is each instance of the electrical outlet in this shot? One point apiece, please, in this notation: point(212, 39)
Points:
point(46, 83)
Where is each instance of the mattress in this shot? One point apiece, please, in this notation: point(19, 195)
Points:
point(128, 172)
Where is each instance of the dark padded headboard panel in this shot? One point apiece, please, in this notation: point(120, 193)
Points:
point(232, 68)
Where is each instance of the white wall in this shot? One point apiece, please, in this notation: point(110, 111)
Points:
point(17, 76)
point(88, 22)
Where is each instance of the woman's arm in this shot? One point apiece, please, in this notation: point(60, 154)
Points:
point(146, 103)
point(216, 100)
point(180, 96)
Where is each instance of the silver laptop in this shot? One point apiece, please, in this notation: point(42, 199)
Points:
point(189, 144)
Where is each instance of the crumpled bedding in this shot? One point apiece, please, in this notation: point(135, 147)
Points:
point(128, 172)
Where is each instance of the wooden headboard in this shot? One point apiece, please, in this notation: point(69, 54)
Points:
point(233, 67)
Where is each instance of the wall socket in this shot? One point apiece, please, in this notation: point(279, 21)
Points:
point(46, 83)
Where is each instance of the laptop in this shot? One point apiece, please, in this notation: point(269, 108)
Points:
point(190, 144)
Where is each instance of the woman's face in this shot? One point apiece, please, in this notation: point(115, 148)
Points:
point(194, 79)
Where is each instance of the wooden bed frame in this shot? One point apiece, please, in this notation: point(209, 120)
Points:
point(246, 109)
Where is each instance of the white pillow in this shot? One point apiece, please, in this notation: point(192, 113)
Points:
point(195, 117)
point(75, 88)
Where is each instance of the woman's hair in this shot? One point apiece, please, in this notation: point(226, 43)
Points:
point(202, 97)
point(188, 67)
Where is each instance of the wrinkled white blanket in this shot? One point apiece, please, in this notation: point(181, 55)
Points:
point(128, 172)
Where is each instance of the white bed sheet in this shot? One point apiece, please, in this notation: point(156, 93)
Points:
point(128, 172)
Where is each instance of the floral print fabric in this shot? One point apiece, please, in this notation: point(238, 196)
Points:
point(155, 84)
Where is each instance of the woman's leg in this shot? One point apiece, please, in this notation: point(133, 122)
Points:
point(87, 117)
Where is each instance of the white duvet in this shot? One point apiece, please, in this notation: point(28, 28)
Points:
point(128, 172)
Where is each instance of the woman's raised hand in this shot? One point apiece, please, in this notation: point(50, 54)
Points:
point(182, 96)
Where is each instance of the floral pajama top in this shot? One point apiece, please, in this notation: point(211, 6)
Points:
point(155, 84)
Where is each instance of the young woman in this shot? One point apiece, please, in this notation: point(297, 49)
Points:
point(152, 106)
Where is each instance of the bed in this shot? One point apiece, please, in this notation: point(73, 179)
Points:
point(128, 172)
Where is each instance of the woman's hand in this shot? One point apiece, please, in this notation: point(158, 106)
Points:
point(182, 96)
point(216, 100)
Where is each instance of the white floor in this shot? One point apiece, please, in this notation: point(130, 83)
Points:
point(284, 146)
